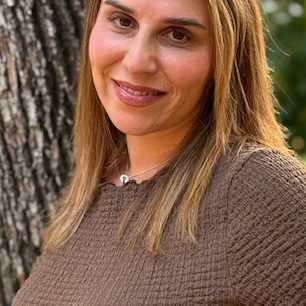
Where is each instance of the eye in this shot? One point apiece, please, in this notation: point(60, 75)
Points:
point(178, 35)
point(121, 20)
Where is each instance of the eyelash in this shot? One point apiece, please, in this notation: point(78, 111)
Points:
point(113, 18)
point(116, 16)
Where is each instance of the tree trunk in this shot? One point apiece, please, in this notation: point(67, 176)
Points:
point(39, 42)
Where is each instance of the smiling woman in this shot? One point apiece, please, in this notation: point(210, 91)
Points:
point(184, 190)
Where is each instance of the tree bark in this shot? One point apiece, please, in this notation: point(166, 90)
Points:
point(39, 42)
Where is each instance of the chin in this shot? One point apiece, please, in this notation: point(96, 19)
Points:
point(132, 128)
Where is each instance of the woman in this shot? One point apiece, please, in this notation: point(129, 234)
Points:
point(184, 190)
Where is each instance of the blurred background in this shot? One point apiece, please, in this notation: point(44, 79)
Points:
point(286, 37)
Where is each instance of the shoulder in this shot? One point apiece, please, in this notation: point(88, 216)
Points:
point(266, 173)
point(253, 170)
point(266, 208)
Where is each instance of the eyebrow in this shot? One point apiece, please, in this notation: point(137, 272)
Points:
point(119, 6)
point(184, 22)
point(170, 20)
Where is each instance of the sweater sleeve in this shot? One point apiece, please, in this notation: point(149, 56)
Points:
point(266, 230)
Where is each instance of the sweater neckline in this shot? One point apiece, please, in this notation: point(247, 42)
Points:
point(133, 183)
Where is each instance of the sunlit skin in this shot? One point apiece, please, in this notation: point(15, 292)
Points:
point(161, 45)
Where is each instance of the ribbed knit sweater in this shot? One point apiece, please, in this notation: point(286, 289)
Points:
point(251, 246)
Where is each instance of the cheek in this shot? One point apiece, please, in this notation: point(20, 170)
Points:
point(191, 71)
point(101, 49)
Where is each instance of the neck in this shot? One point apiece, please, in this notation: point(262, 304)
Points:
point(150, 151)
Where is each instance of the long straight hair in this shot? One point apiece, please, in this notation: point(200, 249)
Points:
point(239, 105)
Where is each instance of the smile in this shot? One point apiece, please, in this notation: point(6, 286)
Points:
point(138, 90)
point(136, 96)
point(140, 93)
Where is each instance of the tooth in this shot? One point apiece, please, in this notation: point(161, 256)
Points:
point(130, 90)
point(142, 93)
point(139, 93)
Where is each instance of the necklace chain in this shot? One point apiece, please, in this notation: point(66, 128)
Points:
point(124, 178)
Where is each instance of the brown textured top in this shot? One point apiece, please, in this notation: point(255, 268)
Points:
point(251, 246)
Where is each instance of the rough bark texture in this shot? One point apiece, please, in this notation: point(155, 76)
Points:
point(39, 42)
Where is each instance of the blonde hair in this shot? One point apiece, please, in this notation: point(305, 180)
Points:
point(240, 106)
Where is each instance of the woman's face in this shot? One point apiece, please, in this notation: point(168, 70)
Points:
point(151, 62)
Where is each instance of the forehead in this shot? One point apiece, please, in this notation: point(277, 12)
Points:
point(162, 8)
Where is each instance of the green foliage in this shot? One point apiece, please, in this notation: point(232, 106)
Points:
point(286, 38)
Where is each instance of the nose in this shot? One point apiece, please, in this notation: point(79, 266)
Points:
point(140, 56)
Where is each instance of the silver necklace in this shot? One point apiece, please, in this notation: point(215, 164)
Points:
point(124, 178)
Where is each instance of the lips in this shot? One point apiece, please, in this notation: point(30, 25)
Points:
point(139, 90)
point(137, 96)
